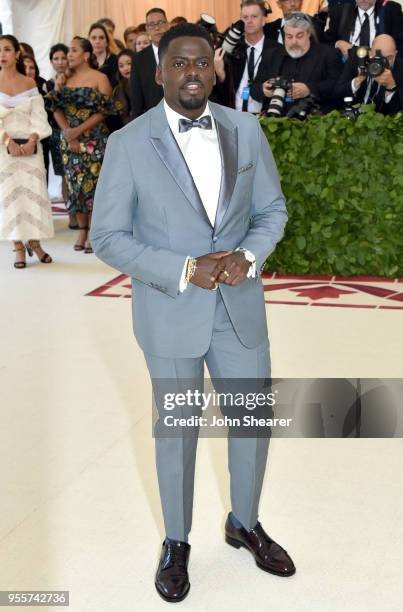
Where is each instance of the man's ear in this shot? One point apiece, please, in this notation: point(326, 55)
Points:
point(158, 75)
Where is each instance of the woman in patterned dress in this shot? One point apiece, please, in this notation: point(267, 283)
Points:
point(25, 209)
point(80, 106)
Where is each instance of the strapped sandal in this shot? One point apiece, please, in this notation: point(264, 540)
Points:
point(32, 246)
point(19, 265)
point(78, 246)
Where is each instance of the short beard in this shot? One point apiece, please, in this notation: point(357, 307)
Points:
point(192, 103)
point(296, 54)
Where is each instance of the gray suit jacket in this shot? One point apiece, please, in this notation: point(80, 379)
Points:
point(148, 217)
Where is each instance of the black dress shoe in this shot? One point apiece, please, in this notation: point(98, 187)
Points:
point(269, 555)
point(172, 579)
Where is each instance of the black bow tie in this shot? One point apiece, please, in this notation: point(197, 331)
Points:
point(187, 124)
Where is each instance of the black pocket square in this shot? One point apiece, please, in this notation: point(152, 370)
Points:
point(245, 168)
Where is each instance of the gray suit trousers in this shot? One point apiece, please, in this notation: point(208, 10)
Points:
point(175, 456)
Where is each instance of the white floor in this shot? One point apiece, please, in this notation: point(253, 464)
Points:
point(79, 499)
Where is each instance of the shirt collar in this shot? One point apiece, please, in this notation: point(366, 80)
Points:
point(369, 12)
point(173, 117)
point(257, 46)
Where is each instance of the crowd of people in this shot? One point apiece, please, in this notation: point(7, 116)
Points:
point(101, 83)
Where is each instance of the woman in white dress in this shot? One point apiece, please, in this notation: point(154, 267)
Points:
point(25, 208)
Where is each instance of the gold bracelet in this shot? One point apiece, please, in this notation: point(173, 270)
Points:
point(191, 269)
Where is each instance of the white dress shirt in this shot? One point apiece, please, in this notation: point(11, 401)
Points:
point(253, 105)
point(355, 36)
point(354, 89)
point(201, 150)
point(155, 49)
point(280, 32)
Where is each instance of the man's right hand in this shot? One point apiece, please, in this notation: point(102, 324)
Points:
point(219, 66)
point(358, 81)
point(268, 89)
point(344, 47)
point(208, 270)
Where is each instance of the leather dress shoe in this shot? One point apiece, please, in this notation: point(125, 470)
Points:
point(269, 555)
point(172, 579)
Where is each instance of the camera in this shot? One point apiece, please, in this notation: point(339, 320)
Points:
point(371, 66)
point(229, 41)
point(280, 86)
point(350, 112)
point(303, 108)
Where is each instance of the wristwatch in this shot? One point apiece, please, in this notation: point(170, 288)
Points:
point(248, 255)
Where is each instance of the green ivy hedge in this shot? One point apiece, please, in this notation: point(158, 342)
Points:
point(343, 182)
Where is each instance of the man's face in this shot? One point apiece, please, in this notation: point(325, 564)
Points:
point(156, 25)
point(289, 6)
point(387, 50)
point(187, 75)
point(297, 41)
point(254, 19)
point(365, 4)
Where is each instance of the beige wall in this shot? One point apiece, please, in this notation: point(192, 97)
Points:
point(132, 12)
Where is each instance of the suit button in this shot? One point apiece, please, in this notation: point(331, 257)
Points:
point(215, 239)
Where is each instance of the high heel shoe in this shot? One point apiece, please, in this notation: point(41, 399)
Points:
point(19, 246)
point(33, 246)
point(78, 245)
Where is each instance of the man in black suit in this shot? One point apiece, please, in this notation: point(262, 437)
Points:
point(357, 24)
point(236, 73)
point(275, 29)
point(312, 67)
point(144, 90)
point(385, 90)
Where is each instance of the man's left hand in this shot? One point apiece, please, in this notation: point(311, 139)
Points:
point(235, 268)
point(386, 79)
point(299, 90)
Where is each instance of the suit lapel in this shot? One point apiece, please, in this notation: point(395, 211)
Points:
point(170, 154)
point(228, 140)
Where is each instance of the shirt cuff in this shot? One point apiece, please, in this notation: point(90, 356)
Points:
point(252, 259)
point(182, 283)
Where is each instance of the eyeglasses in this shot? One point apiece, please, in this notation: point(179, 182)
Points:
point(298, 16)
point(153, 25)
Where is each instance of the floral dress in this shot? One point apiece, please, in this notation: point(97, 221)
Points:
point(82, 169)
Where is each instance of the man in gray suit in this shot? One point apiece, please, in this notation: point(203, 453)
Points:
point(189, 205)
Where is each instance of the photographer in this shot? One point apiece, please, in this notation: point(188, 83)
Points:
point(356, 23)
point(385, 90)
point(312, 68)
point(235, 74)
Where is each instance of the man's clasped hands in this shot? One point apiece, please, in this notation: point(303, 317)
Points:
point(228, 267)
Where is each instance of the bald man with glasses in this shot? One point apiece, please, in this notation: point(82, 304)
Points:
point(275, 29)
